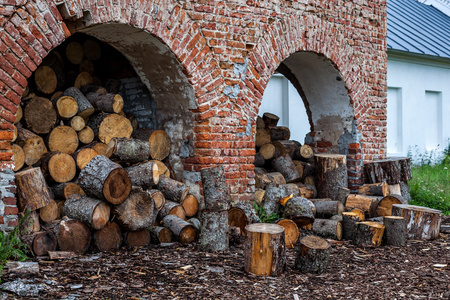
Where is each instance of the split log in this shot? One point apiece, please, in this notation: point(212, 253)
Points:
point(369, 233)
point(313, 255)
point(63, 139)
point(307, 191)
point(172, 189)
point(107, 126)
point(287, 146)
point(109, 237)
point(391, 170)
point(49, 212)
point(172, 208)
point(304, 153)
point(299, 210)
point(21, 268)
point(160, 235)
point(40, 242)
point(137, 211)
point(83, 78)
point(159, 140)
point(109, 103)
point(349, 220)
point(327, 209)
point(286, 166)
point(33, 146)
point(423, 223)
point(137, 238)
point(58, 167)
point(366, 203)
point(104, 179)
point(77, 123)
point(86, 136)
point(384, 207)
point(144, 175)
point(262, 137)
point(92, 212)
point(67, 189)
point(19, 157)
point(395, 231)
point(270, 120)
point(66, 106)
point(127, 150)
point(264, 249)
point(183, 231)
point(267, 151)
point(331, 174)
point(214, 231)
point(291, 232)
point(328, 228)
point(374, 189)
point(45, 79)
point(30, 224)
point(215, 191)
point(342, 194)
point(32, 190)
point(75, 53)
point(158, 198)
point(83, 156)
point(73, 235)
point(85, 108)
point(279, 133)
point(190, 205)
point(263, 180)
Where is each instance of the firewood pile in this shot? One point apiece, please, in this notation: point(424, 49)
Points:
point(86, 171)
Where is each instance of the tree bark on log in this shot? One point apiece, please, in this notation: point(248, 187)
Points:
point(172, 208)
point(291, 232)
point(83, 156)
point(264, 249)
point(108, 238)
point(313, 255)
point(137, 211)
point(304, 153)
point(145, 174)
point(32, 190)
point(368, 204)
point(109, 103)
point(33, 145)
point(328, 228)
point(215, 191)
point(63, 139)
point(67, 189)
point(214, 231)
point(374, 189)
point(262, 137)
point(286, 167)
point(184, 231)
point(93, 212)
point(85, 108)
point(260, 161)
point(307, 191)
point(342, 194)
point(40, 115)
point(160, 235)
point(423, 223)
point(137, 238)
point(369, 233)
point(271, 201)
point(84, 77)
point(263, 180)
point(93, 88)
point(392, 170)
point(278, 133)
point(404, 188)
point(58, 167)
point(349, 220)
point(270, 120)
point(30, 224)
point(327, 209)
point(73, 235)
point(105, 180)
point(40, 242)
point(127, 150)
point(384, 206)
point(172, 189)
point(160, 144)
point(331, 174)
point(395, 231)
point(287, 147)
point(299, 210)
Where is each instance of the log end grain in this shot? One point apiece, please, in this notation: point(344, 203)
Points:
point(117, 186)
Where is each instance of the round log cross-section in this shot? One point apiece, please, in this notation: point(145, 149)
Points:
point(313, 254)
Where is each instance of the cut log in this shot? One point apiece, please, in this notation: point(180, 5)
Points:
point(349, 220)
point(158, 198)
point(85, 108)
point(423, 223)
point(33, 146)
point(337, 218)
point(172, 189)
point(93, 88)
point(237, 218)
point(260, 123)
point(267, 151)
point(305, 153)
point(75, 53)
point(190, 205)
point(327, 209)
point(291, 232)
point(103, 179)
point(391, 170)
point(63, 139)
point(369, 233)
point(395, 231)
point(259, 160)
point(287, 146)
point(144, 175)
point(58, 167)
point(328, 228)
point(342, 194)
point(264, 249)
point(49, 212)
point(262, 137)
point(279, 133)
point(45, 79)
point(108, 126)
point(263, 180)
point(32, 190)
point(215, 191)
point(183, 231)
point(160, 235)
point(109, 103)
point(137, 238)
point(307, 191)
point(395, 189)
point(61, 255)
point(299, 166)
point(92, 212)
point(19, 157)
point(83, 156)
point(40, 242)
point(235, 235)
point(299, 210)
point(259, 195)
point(162, 168)
point(137, 211)
point(272, 197)
point(77, 123)
point(67, 189)
point(66, 107)
point(313, 255)
point(109, 237)
point(159, 140)
point(384, 207)
point(82, 79)
point(374, 189)
point(86, 136)
point(405, 192)
point(214, 231)
point(270, 120)
point(73, 235)
point(98, 146)
point(331, 174)
point(60, 205)
point(249, 211)
point(172, 208)
point(366, 203)
point(19, 115)
point(360, 213)
point(196, 223)
point(286, 167)
point(309, 169)
point(30, 224)
point(127, 150)
point(21, 268)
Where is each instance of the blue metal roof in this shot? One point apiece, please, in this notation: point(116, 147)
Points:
point(417, 28)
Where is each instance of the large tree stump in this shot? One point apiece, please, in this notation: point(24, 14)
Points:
point(384, 206)
point(422, 223)
point(40, 242)
point(374, 189)
point(291, 232)
point(328, 228)
point(327, 209)
point(369, 233)
point(128, 150)
point(349, 220)
point(299, 210)
point(160, 235)
point(395, 231)
point(215, 191)
point(214, 231)
point(159, 140)
point(33, 146)
point(368, 204)
point(172, 189)
point(85, 108)
point(285, 165)
point(331, 174)
point(144, 174)
point(137, 211)
point(313, 255)
point(58, 167)
point(93, 212)
point(184, 231)
point(73, 235)
point(32, 190)
point(40, 115)
point(264, 249)
point(109, 237)
point(391, 170)
point(104, 179)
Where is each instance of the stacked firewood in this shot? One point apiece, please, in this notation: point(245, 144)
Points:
point(86, 172)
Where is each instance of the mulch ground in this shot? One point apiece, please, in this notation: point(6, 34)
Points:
point(174, 271)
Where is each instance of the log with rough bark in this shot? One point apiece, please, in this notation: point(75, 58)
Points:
point(190, 205)
point(58, 167)
point(137, 211)
point(183, 231)
point(286, 147)
point(73, 235)
point(172, 189)
point(384, 206)
point(270, 120)
point(83, 156)
point(67, 189)
point(32, 190)
point(235, 235)
point(214, 231)
point(45, 79)
point(19, 115)
point(374, 189)
point(61, 255)
point(21, 268)
point(291, 232)
point(19, 157)
point(144, 174)
point(423, 223)
point(242, 214)
point(63, 139)
point(264, 249)
point(107, 126)
point(391, 170)
point(331, 174)
point(262, 137)
point(307, 191)
point(109, 103)
point(160, 235)
point(368, 233)
point(172, 208)
point(404, 189)
point(66, 106)
point(272, 197)
point(262, 180)
point(109, 237)
point(366, 203)
point(299, 166)
point(77, 123)
point(342, 194)
point(286, 167)
point(328, 228)
point(85, 108)
point(196, 222)
point(106, 180)
point(30, 224)
point(349, 220)
point(215, 191)
point(395, 231)
point(137, 238)
point(304, 153)
point(40, 242)
point(299, 210)
point(327, 209)
point(40, 115)
point(159, 141)
point(49, 212)
point(126, 150)
point(313, 255)
point(279, 133)
point(86, 136)
point(93, 212)
point(93, 88)
point(33, 146)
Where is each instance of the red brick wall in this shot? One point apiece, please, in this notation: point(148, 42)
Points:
point(229, 50)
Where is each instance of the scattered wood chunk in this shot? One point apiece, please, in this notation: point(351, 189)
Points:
point(313, 255)
point(423, 223)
